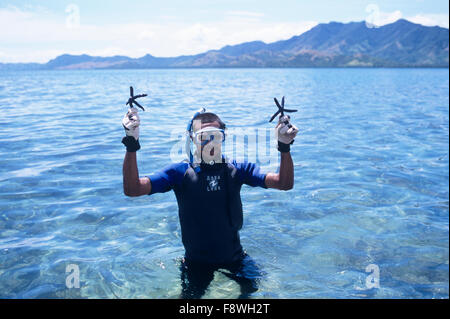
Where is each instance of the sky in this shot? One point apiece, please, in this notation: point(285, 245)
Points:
point(37, 31)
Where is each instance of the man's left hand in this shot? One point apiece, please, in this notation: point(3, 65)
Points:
point(286, 131)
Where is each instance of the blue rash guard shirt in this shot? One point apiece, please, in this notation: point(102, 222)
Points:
point(209, 206)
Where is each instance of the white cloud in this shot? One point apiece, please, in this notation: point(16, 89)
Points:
point(376, 17)
point(379, 18)
point(37, 35)
point(431, 19)
point(245, 14)
point(389, 17)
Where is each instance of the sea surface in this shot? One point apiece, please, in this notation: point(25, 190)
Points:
point(368, 216)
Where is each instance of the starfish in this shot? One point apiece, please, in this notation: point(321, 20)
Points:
point(132, 99)
point(281, 109)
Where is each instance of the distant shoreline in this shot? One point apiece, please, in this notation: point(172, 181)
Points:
point(232, 68)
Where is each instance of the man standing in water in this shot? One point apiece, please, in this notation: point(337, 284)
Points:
point(207, 188)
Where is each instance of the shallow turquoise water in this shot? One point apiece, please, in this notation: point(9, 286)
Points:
point(371, 182)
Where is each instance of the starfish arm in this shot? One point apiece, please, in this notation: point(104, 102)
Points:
point(277, 103)
point(139, 105)
point(274, 116)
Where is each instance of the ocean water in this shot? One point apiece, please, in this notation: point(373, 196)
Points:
point(371, 182)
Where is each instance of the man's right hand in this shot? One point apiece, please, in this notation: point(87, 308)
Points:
point(131, 123)
point(286, 133)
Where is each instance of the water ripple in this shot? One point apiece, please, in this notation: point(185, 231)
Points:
point(371, 182)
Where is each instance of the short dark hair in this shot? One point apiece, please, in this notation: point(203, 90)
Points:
point(209, 117)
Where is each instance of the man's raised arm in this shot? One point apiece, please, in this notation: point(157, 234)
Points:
point(284, 180)
point(132, 184)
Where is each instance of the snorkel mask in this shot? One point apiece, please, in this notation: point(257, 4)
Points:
point(207, 135)
point(207, 142)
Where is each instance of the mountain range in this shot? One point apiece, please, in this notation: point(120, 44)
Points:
point(354, 44)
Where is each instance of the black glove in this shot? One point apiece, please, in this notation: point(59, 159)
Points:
point(284, 148)
point(131, 144)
